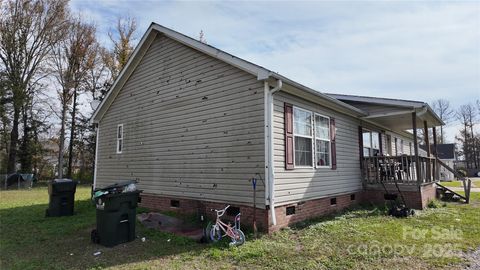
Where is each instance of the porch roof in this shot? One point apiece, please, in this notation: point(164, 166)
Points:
point(395, 114)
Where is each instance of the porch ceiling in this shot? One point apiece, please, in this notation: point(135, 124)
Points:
point(401, 121)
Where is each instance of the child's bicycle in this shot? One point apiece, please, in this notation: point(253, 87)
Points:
point(221, 229)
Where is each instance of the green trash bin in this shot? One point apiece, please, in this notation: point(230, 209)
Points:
point(62, 197)
point(116, 217)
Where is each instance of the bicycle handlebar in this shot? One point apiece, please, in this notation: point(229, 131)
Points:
point(220, 212)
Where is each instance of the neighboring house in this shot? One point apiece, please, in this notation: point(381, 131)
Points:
point(446, 153)
point(194, 125)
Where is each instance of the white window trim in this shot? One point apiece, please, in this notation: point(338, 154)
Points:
point(313, 138)
point(303, 136)
point(329, 142)
point(371, 148)
point(118, 139)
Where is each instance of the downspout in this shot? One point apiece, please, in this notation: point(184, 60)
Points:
point(96, 159)
point(270, 153)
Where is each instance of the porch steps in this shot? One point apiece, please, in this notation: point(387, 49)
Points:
point(467, 183)
point(448, 193)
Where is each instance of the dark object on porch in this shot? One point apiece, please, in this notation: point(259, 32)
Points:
point(62, 197)
point(170, 224)
point(115, 217)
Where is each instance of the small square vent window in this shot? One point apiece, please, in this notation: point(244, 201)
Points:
point(174, 203)
point(233, 211)
point(290, 210)
point(352, 197)
point(333, 201)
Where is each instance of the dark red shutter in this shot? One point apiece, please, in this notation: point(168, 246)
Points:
point(289, 151)
point(333, 134)
point(360, 144)
point(380, 142)
point(396, 147)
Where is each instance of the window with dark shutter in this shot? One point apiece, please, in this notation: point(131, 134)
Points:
point(288, 115)
point(333, 134)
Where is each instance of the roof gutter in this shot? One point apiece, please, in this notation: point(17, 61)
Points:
point(269, 152)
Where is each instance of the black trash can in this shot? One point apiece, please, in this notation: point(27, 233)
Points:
point(116, 217)
point(62, 197)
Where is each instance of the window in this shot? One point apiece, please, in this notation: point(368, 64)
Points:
point(322, 141)
point(399, 147)
point(371, 143)
point(302, 132)
point(119, 138)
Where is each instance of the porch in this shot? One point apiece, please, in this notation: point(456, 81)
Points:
point(412, 169)
point(405, 170)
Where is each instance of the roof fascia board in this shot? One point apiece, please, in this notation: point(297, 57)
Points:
point(125, 73)
point(321, 99)
point(382, 101)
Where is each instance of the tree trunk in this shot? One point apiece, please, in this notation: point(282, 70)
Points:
point(61, 143)
point(441, 134)
point(72, 135)
point(25, 156)
point(12, 152)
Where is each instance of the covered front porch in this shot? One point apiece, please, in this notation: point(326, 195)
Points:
point(405, 169)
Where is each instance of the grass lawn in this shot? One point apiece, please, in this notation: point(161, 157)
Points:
point(452, 184)
point(475, 183)
point(361, 238)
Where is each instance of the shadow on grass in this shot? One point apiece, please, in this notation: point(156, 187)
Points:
point(29, 240)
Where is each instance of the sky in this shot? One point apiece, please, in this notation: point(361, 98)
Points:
point(419, 50)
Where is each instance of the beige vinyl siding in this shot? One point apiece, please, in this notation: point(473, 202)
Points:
point(308, 183)
point(193, 128)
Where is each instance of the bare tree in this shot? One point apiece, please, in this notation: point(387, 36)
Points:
point(28, 29)
point(73, 58)
point(443, 109)
point(123, 38)
point(467, 114)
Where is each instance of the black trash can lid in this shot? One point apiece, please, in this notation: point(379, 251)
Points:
point(117, 185)
point(62, 180)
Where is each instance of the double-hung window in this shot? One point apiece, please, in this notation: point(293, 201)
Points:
point(119, 138)
point(302, 132)
point(371, 143)
point(322, 141)
point(399, 147)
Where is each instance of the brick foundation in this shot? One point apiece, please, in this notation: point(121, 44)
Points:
point(199, 208)
point(312, 208)
point(303, 210)
point(415, 197)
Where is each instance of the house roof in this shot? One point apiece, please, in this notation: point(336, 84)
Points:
point(444, 151)
point(396, 113)
point(260, 72)
point(336, 102)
